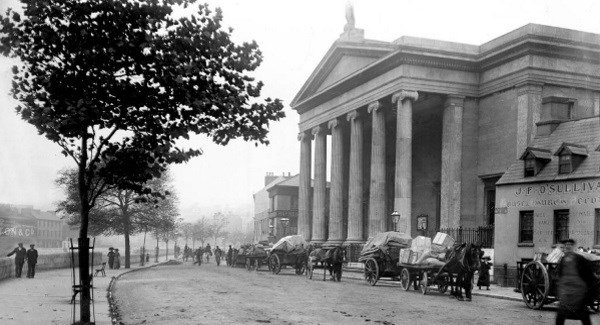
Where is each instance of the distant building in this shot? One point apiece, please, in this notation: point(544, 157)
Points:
point(24, 224)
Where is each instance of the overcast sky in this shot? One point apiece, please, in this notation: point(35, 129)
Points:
point(293, 36)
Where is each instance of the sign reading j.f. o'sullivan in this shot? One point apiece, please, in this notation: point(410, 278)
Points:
point(559, 188)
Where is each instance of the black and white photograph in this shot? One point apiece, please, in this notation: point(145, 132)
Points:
point(299, 162)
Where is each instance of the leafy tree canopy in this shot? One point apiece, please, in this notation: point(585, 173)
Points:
point(116, 83)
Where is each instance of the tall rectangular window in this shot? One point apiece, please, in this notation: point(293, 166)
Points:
point(530, 167)
point(597, 228)
point(561, 225)
point(526, 227)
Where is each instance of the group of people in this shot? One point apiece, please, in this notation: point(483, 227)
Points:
point(22, 254)
point(114, 258)
point(201, 253)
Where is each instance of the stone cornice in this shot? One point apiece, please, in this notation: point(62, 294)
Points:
point(535, 40)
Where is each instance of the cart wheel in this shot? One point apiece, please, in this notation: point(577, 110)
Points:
point(443, 284)
point(424, 283)
point(274, 264)
point(371, 271)
point(535, 285)
point(405, 279)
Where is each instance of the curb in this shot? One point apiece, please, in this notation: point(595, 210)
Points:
point(113, 309)
point(474, 293)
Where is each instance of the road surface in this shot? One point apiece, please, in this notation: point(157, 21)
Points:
point(188, 294)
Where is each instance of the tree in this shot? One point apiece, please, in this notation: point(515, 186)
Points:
point(185, 229)
point(217, 224)
point(116, 83)
point(118, 211)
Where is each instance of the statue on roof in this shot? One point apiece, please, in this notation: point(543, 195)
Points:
point(349, 17)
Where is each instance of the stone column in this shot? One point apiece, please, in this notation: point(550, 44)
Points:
point(305, 190)
point(529, 103)
point(336, 191)
point(451, 183)
point(319, 227)
point(355, 187)
point(403, 166)
point(377, 204)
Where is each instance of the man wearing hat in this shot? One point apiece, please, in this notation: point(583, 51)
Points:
point(575, 285)
point(32, 256)
point(19, 259)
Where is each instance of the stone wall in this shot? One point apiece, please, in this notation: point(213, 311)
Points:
point(45, 262)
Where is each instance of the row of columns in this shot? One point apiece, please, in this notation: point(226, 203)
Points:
point(321, 225)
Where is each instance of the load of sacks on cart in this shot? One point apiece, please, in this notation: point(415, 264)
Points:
point(422, 262)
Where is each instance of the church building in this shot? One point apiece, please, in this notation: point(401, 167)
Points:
point(421, 131)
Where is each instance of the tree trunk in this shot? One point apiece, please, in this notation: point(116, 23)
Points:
point(143, 261)
point(156, 255)
point(127, 250)
point(167, 253)
point(83, 241)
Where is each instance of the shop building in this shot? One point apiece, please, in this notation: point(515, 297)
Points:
point(553, 192)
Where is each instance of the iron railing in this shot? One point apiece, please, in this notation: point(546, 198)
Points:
point(480, 235)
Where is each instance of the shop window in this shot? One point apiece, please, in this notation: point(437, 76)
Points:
point(294, 203)
point(526, 227)
point(561, 225)
point(597, 228)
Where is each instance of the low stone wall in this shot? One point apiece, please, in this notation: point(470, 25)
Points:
point(45, 262)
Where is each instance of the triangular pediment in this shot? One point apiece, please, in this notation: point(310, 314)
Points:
point(342, 60)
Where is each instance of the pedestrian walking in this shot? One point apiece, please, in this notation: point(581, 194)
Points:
point(198, 256)
point(484, 273)
point(117, 263)
point(575, 285)
point(147, 257)
point(111, 258)
point(32, 256)
point(20, 254)
point(229, 255)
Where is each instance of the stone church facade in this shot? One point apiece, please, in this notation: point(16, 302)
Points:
point(423, 129)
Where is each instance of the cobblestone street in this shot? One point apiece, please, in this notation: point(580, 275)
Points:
point(187, 294)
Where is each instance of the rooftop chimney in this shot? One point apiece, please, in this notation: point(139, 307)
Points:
point(554, 111)
point(269, 177)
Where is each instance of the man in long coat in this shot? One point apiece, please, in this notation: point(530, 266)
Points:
point(575, 285)
point(21, 253)
point(32, 256)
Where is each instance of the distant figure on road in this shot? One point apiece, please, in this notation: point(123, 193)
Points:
point(575, 285)
point(147, 257)
point(218, 254)
point(229, 255)
point(111, 258)
point(117, 263)
point(21, 253)
point(198, 256)
point(208, 252)
point(186, 252)
point(32, 256)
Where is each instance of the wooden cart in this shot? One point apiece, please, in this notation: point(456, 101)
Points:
point(278, 259)
point(423, 276)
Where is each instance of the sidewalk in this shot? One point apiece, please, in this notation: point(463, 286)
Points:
point(45, 299)
point(355, 272)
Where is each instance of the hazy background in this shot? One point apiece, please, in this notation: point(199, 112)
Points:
point(293, 36)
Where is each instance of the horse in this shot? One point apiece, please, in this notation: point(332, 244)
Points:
point(330, 259)
point(462, 260)
point(335, 257)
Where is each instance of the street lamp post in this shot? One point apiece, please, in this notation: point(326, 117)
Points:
point(395, 219)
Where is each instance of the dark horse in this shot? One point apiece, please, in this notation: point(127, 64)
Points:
point(330, 259)
point(462, 260)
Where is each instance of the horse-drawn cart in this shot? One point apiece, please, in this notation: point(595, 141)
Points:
point(255, 256)
point(381, 255)
point(289, 251)
point(422, 276)
point(538, 280)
